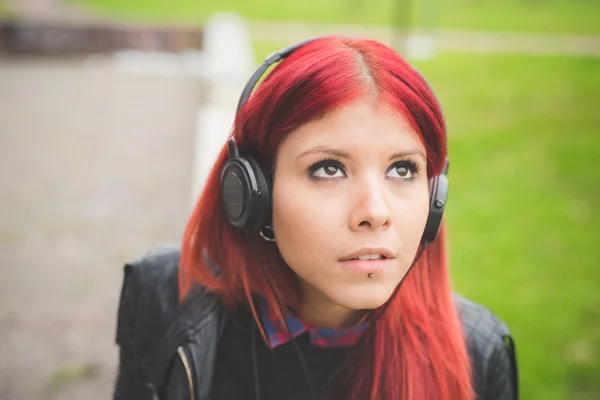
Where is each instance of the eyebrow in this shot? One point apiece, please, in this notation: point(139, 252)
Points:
point(343, 154)
point(326, 150)
point(411, 152)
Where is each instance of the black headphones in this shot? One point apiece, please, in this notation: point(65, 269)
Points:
point(246, 192)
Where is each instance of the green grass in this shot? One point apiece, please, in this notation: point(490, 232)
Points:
point(523, 219)
point(4, 10)
point(72, 372)
point(570, 16)
point(523, 210)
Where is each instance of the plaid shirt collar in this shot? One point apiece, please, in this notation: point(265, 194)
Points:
point(324, 337)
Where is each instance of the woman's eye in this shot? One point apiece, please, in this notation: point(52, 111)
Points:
point(327, 170)
point(403, 170)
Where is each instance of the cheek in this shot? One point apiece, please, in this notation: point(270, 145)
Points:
point(410, 222)
point(303, 227)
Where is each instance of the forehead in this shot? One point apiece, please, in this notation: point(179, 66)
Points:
point(362, 125)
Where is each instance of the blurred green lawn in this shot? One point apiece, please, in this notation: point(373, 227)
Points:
point(523, 212)
point(523, 218)
point(4, 11)
point(570, 16)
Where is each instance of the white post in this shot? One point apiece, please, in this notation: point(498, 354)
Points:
point(421, 43)
point(228, 63)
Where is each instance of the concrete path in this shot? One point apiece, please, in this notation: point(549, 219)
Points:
point(99, 160)
point(95, 167)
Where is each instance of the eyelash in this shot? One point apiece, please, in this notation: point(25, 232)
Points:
point(410, 164)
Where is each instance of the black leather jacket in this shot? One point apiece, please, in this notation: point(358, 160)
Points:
point(168, 351)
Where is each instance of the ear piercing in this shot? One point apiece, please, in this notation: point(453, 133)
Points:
point(269, 237)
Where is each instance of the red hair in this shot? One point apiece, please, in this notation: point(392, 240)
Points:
point(416, 350)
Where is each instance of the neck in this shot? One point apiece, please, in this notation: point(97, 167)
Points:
point(320, 311)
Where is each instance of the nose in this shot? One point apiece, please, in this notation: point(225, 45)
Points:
point(370, 210)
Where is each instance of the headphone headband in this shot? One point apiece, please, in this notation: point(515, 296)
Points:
point(269, 60)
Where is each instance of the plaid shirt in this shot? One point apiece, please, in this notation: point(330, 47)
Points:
point(324, 337)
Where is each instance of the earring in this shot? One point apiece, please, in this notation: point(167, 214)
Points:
point(268, 238)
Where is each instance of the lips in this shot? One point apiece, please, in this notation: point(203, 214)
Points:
point(366, 266)
point(369, 253)
point(368, 260)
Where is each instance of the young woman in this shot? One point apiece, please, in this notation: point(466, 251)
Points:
point(313, 265)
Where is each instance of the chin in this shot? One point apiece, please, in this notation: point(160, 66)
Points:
point(364, 298)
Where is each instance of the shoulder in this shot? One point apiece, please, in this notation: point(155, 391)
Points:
point(152, 322)
point(151, 287)
point(491, 349)
point(149, 300)
point(482, 327)
point(154, 272)
point(150, 282)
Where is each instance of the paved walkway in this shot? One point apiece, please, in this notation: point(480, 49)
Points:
point(95, 168)
point(99, 159)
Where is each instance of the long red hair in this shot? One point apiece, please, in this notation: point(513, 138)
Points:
point(416, 350)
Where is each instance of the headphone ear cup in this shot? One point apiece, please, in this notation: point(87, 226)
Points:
point(437, 204)
point(245, 194)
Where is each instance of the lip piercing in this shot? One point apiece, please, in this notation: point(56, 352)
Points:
point(370, 276)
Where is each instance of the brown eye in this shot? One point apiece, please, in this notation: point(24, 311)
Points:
point(331, 170)
point(403, 170)
point(326, 169)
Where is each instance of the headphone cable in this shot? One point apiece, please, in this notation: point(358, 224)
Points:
point(300, 357)
point(254, 363)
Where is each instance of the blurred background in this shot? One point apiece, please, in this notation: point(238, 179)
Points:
point(111, 113)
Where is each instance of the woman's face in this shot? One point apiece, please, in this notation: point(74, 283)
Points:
point(351, 184)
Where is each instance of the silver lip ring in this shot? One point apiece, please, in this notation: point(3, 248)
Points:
point(268, 239)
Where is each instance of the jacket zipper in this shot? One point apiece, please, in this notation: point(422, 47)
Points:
point(188, 370)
